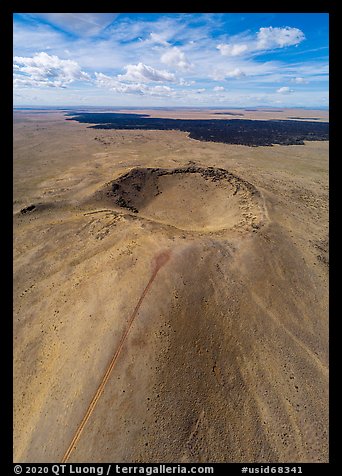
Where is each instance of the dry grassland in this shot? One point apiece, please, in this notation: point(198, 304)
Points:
point(191, 329)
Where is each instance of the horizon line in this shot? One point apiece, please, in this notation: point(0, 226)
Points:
point(21, 106)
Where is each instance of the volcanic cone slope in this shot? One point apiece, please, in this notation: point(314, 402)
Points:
point(170, 315)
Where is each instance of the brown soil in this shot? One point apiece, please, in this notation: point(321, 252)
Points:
point(170, 297)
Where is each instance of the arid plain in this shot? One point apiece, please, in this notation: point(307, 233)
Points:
point(191, 326)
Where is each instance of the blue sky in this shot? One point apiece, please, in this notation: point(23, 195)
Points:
point(184, 59)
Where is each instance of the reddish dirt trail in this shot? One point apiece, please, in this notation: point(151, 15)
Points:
point(160, 260)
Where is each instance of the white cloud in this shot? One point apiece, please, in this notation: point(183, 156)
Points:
point(22, 82)
point(85, 24)
point(183, 82)
point(159, 39)
point(184, 45)
point(106, 81)
point(114, 84)
point(269, 38)
point(176, 58)
point(28, 38)
point(144, 73)
point(47, 70)
point(265, 39)
point(285, 90)
point(235, 73)
point(234, 49)
point(220, 75)
point(159, 91)
point(300, 80)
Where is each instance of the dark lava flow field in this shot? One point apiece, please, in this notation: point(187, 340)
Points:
point(228, 131)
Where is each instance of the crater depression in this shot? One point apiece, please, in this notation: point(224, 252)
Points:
point(189, 198)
